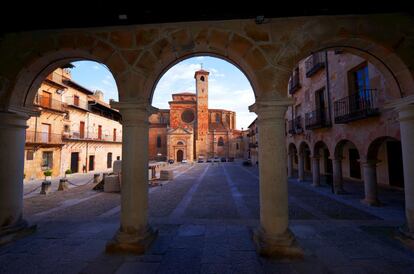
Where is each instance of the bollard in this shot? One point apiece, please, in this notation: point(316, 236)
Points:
point(46, 187)
point(96, 178)
point(63, 184)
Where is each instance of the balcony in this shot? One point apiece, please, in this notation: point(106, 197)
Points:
point(357, 106)
point(318, 118)
point(314, 63)
point(49, 103)
point(76, 102)
point(295, 126)
point(294, 83)
point(36, 137)
point(83, 136)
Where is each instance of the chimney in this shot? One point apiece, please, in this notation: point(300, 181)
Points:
point(99, 95)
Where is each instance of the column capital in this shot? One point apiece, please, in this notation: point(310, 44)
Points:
point(404, 106)
point(134, 112)
point(271, 108)
point(11, 119)
point(369, 163)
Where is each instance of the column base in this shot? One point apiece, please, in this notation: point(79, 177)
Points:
point(405, 236)
point(136, 242)
point(371, 202)
point(17, 231)
point(282, 246)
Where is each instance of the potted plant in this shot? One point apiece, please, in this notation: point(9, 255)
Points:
point(68, 172)
point(48, 175)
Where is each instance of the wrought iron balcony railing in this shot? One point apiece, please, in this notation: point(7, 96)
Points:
point(49, 103)
point(36, 137)
point(295, 125)
point(318, 118)
point(356, 106)
point(315, 62)
point(91, 136)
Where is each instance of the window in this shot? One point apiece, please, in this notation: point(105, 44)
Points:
point(180, 143)
point(99, 132)
point(29, 155)
point(158, 141)
point(217, 118)
point(220, 142)
point(118, 157)
point(66, 128)
point(359, 79)
point(237, 146)
point(47, 160)
point(76, 100)
point(114, 134)
point(188, 116)
point(109, 160)
point(202, 78)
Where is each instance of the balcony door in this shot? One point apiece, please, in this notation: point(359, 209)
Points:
point(82, 130)
point(46, 99)
point(320, 104)
point(46, 129)
point(99, 132)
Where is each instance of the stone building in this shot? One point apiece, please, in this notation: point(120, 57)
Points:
point(336, 95)
point(75, 130)
point(189, 130)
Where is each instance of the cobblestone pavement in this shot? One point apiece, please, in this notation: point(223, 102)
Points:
point(204, 218)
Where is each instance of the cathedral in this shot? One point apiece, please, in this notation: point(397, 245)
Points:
point(190, 131)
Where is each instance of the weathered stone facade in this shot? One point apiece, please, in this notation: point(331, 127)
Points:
point(189, 130)
point(75, 130)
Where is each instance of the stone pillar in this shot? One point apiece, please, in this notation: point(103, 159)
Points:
point(273, 237)
point(337, 175)
point(301, 167)
point(370, 182)
point(134, 235)
point(12, 141)
point(406, 118)
point(290, 164)
point(316, 172)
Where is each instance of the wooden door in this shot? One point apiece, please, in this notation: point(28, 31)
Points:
point(82, 130)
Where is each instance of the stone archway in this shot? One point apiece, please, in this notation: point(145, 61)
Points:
point(138, 56)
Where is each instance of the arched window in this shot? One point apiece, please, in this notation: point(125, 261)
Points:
point(158, 141)
point(220, 142)
point(202, 78)
point(180, 143)
point(217, 118)
point(237, 146)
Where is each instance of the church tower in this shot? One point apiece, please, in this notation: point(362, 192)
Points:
point(201, 130)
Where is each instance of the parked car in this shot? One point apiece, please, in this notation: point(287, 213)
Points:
point(200, 161)
point(209, 160)
point(223, 159)
point(184, 161)
point(171, 161)
point(216, 159)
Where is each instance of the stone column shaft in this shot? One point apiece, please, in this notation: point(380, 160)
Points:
point(134, 234)
point(370, 182)
point(337, 175)
point(12, 142)
point(301, 167)
point(316, 173)
point(406, 118)
point(290, 164)
point(273, 237)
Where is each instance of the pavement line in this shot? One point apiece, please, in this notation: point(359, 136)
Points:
point(179, 210)
point(65, 204)
point(243, 211)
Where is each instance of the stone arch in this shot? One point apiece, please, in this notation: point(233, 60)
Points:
point(393, 63)
point(303, 146)
point(292, 148)
point(319, 145)
point(29, 79)
point(338, 151)
point(374, 146)
point(180, 143)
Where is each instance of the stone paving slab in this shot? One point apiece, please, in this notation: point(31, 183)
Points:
point(337, 234)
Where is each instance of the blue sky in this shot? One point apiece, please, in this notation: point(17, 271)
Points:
point(228, 87)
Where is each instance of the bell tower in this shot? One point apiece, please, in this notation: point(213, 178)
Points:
point(201, 129)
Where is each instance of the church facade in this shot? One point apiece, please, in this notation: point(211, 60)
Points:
point(190, 131)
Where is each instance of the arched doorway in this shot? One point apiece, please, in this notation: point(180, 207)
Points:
point(180, 155)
